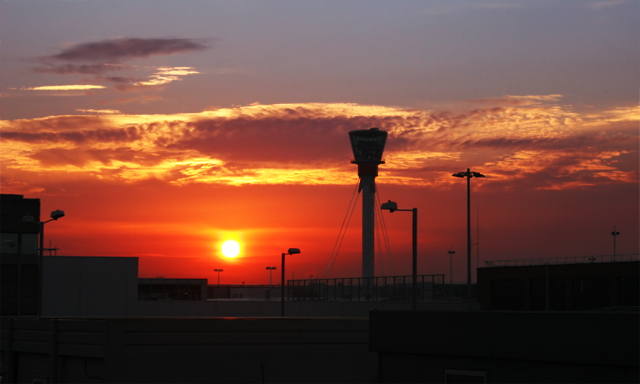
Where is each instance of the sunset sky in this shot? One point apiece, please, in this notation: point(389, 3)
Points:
point(163, 128)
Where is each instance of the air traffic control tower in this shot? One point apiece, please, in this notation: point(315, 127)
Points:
point(367, 146)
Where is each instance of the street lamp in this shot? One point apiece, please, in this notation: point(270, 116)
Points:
point(55, 215)
point(270, 269)
point(451, 252)
point(614, 233)
point(468, 174)
point(290, 251)
point(392, 206)
point(218, 270)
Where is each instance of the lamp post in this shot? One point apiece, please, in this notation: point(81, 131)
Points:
point(392, 206)
point(451, 252)
point(290, 251)
point(468, 174)
point(55, 215)
point(270, 269)
point(614, 233)
point(218, 270)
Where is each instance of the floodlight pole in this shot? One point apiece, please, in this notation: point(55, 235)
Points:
point(614, 233)
point(270, 269)
point(392, 206)
point(468, 174)
point(55, 215)
point(291, 251)
point(218, 270)
point(451, 252)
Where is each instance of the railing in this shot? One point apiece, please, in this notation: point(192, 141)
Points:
point(564, 260)
point(389, 288)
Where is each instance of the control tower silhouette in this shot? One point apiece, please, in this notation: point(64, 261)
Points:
point(367, 146)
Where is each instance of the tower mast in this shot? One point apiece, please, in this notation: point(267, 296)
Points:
point(367, 146)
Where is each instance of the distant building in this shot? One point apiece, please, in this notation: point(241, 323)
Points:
point(19, 255)
point(161, 288)
point(563, 284)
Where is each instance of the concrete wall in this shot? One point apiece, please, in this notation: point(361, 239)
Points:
point(89, 286)
point(510, 347)
point(188, 350)
point(231, 308)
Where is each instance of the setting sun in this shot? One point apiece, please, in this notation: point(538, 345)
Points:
point(230, 248)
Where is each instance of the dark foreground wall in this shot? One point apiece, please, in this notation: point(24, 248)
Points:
point(187, 350)
point(506, 347)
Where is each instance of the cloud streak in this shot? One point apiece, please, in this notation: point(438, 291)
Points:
point(307, 144)
point(69, 87)
point(101, 59)
point(115, 50)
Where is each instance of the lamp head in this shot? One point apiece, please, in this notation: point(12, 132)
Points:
point(55, 215)
point(390, 205)
point(293, 251)
point(477, 174)
point(459, 174)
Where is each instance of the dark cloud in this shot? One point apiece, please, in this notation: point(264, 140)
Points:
point(127, 48)
point(79, 158)
point(84, 69)
point(79, 137)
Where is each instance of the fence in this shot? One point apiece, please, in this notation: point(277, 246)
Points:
point(564, 260)
point(389, 288)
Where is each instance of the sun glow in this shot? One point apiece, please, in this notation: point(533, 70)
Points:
point(230, 249)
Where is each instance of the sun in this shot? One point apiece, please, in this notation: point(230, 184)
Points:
point(230, 249)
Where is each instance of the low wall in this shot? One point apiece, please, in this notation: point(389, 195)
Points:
point(239, 308)
point(507, 347)
point(162, 350)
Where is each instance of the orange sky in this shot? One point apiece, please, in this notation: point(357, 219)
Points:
point(168, 188)
point(162, 128)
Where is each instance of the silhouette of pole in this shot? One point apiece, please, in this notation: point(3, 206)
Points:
point(282, 288)
point(614, 233)
point(270, 269)
point(291, 251)
point(218, 270)
point(392, 206)
point(414, 246)
point(468, 174)
point(451, 252)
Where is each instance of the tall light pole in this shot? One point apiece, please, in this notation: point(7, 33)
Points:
point(468, 174)
point(392, 206)
point(218, 270)
point(614, 233)
point(290, 251)
point(451, 252)
point(55, 215)
point(270, 269)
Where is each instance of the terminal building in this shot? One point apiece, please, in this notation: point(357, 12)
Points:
point(560, 284)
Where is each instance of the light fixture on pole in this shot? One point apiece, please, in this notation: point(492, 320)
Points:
point(270, 269)
point(451, 252)
point(218, 270)
point(468, 174)
point(290, 251)
point(615, 234)
point(55, 215)
point(392, 206)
